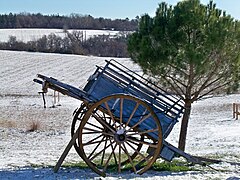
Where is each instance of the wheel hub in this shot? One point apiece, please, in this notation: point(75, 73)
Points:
point(120, 135)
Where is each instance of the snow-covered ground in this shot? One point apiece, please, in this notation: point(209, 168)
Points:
point(34, 34)
point(212, 130)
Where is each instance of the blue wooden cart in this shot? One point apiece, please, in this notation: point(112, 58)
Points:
point(123, 121)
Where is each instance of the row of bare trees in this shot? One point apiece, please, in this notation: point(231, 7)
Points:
point(73, 21)
point(72, 43)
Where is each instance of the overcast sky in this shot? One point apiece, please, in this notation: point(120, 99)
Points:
point(114, 9)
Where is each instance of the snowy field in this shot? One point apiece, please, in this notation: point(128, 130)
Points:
point(23, 155)
point(34, 34)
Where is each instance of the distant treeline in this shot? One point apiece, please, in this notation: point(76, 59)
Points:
point(73, 43)
point(73, 21)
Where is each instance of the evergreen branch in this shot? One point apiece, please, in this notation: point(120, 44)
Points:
point(209, 77)
point(196, 94)
point(212, 90)
point(178, 90)
point(175, 80)
point(178, 69)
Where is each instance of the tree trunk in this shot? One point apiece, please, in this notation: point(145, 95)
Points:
point(184, 126)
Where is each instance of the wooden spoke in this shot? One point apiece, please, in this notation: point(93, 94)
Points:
point(135, 143)
point(133, 112)
point(138, 148)
point(110, 113)
point(143, 142)
point(119, 158)
point(129, 157)
point(143, 132)
point(121, 111)
point(100, 152)
point(105, 117)
point(102, 116)
point(104, 150)
point(93, 141)
point(141, 120)
point(115, 159)
point(108, 134)
point(90, 129)
point(96, 147)
point(92, 132)
point(136, 151)
point(106, 164)
point(95, 126)
point(103, 122)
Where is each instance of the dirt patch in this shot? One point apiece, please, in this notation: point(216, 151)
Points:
point(4, 123)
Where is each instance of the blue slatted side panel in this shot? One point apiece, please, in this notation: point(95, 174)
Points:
point(104, 87)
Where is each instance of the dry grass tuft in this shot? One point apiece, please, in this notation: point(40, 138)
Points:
point(33, 126)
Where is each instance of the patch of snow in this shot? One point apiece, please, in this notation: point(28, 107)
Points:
point(212, 130)
point(30, 34)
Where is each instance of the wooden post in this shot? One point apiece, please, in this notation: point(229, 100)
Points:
point(54, 97)
point(234, 110)
point(58, 98)
point(237, 113)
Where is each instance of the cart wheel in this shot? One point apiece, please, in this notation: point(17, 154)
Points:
point(118, 129)
point(78, 115)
